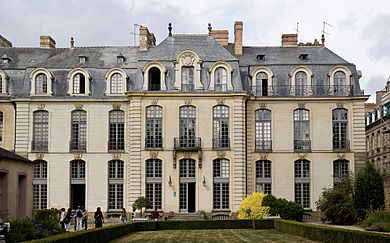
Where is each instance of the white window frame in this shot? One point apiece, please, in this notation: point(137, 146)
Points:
point(49, 78)
point(309, 75)
point(146, 70)
point(4, 82)
point(229, 71)
point(70, 78)
point(117, 181)
point(108, 76)
point(40, 183)
point(188, 58)
point(270, 75)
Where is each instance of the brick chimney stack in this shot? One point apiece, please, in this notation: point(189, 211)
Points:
point(289, 39)
point(4, 42)
point(238, 28)
point(47, 42)
point(146, 39)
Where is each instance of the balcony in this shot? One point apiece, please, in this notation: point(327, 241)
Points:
point(341, 145)
point(220, 87)
point(115, 145)
point(187, 143)
point(39, 145)
point(154, 87)
point(263, 146)
point(188, 87)
point(221, 143)
point(302, 145)
point(153, 143)
point(76, 145)
point(303, 90)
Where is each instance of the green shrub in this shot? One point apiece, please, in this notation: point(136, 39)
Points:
point(376, 217)
point(271, 201)
point(337, 202)
point(285, 209)
point(140, 203)
point(369, 195)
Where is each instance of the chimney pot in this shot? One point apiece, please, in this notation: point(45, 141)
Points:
point(146, 39)
point(289, 39)
point(47, 42)
point(4, 42)
point(238, 28)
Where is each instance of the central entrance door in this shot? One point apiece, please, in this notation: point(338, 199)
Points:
point(187, 185)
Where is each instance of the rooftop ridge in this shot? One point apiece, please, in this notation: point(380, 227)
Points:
point(190, 35)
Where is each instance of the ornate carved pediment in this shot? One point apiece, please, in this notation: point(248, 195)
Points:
point(187, 59)
point(221, 154)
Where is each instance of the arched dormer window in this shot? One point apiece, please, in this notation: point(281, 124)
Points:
point(78, 80)
point(154, 77)
point(3, 83)
point(301, 81)
point(187, 71)
point(340, 81)
point(116, 82)
point(220, 77)
point(262, 81)
point(41, 82)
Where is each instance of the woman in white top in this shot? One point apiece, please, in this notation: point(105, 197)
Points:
point(62, 217)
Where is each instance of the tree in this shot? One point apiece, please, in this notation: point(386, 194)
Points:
point(140, 203)
point(369, 195)
point(251, 207)
point(337, 202)
point(285, 209)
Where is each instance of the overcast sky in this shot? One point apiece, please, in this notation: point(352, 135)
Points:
point(360, 31)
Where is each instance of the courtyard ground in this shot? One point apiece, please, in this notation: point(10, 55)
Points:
point(210, 236)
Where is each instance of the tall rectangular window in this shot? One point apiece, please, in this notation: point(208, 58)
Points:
point(302, 130)
point(115, 184)
point(187, 79)
point(40, 130)
point(221, 174)
point(153, 136)
point(263, 140)
point(40, 185)
point(187, 123)
point(221, 127)
point(79, 130)
point(340, 168)
point(117, 130)
point(153, 187)
point(302, 182)
point(1, 126)
point(263, 176)
point(340, 126)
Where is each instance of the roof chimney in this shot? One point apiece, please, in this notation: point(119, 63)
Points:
point(146, 39)
point(47, 42)
point(238, 27)
point(4, 42)
point(221, 36)
point(289, 39)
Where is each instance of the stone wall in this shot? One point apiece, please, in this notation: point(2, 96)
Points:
point(386, 187)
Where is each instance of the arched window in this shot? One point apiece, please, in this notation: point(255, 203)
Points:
point(300, 83)
point(339, 84)
point(40, 131)
point(221, 127)
point(154, 79)
point(302, 182)
point(41, 84)
point(153, 188)
point(153, 136)
point(78, 139)
point(187, 123)
point(1, 126)
point(40, 185)
point(187, 194)
point(117, 130)
point(340, 168)
point(116, 83)
point(263, 176)
point(187, 79)
point(261, 84)
point(220, 79)
point(115, 184)
point(221, 175)
point(302, 129)
point(340, 128)
point(263, 140)
point(79, 84)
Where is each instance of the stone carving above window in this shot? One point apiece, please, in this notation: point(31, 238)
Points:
point(188, 59)
point(221, 155)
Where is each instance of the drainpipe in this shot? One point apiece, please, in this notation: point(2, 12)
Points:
point(14, 145)
point(246, 140)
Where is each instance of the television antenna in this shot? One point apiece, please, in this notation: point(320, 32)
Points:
point(135, 33)
point(323, 31)
point(297, 29)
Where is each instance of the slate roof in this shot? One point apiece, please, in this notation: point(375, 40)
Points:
point(10, 155)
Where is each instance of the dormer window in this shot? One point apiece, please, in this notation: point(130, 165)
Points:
point(5, 59)
point(116, 82)
point(78, 79)
point(82, 59)
point(260, 58)
point(304, 57)
point(120, 59)
point(79, 84)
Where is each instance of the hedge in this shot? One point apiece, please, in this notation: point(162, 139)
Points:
point(329, 234)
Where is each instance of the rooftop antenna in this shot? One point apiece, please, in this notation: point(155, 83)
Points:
point(135, 33)
point(323, 32)
point(297, 29)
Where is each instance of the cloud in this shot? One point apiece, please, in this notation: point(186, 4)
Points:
point(377, 33)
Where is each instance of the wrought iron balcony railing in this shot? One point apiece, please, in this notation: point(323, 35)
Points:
point(220, 87)
point(263, 145)
point(341, 145)
point(302, 90)
point(302, 145)
point(37, 145)
point(187, 143)
point(221, 143)
point(153, 142)
point(116, 145)
point(77, 145)
point(154, 87)
point(187, 87)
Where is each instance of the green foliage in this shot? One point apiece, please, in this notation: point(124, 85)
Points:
point(329, 234)
point(271, 201)
point(337, 203)
point(289, 210)
point(376, 217)
point(369, 195)
point(140, 203)
point(251, 207)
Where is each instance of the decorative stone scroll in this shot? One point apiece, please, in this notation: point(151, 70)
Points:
point(77, 156)
point(41, 107)
point(153, 155)
point(262, 105)
point(78, 106)
point(263, 156)
point(187, 155)
point(188, 101)
point(341, 156)
point(302, 155)
point(302, 105)
point(116, 106)
point(116, 156)
point(220, 101)
point(39, 156)
point(221, 154)
point(340, 105)
point(154, 102)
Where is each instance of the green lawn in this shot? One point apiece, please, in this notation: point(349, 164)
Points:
point(209, 236)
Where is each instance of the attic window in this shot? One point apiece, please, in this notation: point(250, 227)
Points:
point(304, 57)
point(260, 57)
point(120, 59)
point(5, 59)
point(82, 59)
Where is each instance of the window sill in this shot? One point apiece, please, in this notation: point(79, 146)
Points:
point(116, 151)
point(224, 148)
point(263, 150)
point(153, 148)
point(221, 211)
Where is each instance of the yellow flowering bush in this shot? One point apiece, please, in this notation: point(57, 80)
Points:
point(251, 207)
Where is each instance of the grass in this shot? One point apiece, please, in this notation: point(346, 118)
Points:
point(210, 236)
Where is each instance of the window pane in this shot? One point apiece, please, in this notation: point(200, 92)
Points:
point(41, 84)
point(116, 83)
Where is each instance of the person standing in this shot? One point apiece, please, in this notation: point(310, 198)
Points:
point(123, 215)
point(155, 214)
point(134, 214)
point(99, 220)
point(62, 218)
point(68, 219)
point(85, 218)
point(79, 218)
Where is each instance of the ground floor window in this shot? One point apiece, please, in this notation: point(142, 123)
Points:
point(39, 196)
point(154, 194)
point(302, 194)
point(263, 176)
point(115, 196)
point(302, 182)
point(221, 196)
